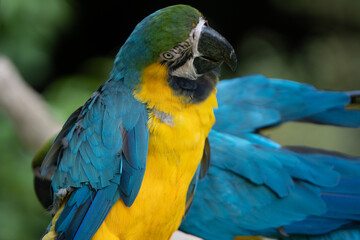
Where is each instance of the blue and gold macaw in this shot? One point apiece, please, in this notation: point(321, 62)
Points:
point(123, 161)
point(254, 186)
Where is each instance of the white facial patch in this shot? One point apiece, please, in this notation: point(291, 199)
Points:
point(195, 35)
point(187, 70)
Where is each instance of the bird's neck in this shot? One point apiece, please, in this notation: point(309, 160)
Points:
point(156, 88)
point(183, 122)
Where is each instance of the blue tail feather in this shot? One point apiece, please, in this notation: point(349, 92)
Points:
point(96, 213)
point(336, 117)
point(85, 211)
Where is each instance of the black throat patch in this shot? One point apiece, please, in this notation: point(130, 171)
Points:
point(197, 90)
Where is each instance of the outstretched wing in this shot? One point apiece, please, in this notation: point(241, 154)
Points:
point(253, 102)
point(100, 155)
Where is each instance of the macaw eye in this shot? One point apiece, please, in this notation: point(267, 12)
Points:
point(167, 56)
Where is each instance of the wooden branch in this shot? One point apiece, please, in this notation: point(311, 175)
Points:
point(26, 108)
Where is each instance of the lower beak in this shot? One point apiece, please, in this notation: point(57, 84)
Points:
point(214, 49)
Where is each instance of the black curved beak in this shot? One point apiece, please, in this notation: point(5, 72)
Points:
point(214, 50)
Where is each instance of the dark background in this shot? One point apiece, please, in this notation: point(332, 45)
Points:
point(100, 29)
point(64, 49)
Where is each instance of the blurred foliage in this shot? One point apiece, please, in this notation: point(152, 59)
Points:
point(329, 62)
point(21, 215)
point(331, 11)
point(27, 33)
point(329, 59)
point(328, 56)
point(66, 94)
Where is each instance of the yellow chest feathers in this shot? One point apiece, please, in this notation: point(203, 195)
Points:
point(177, 135)
point(173, 122)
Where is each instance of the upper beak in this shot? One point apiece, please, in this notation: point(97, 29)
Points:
point(214, 50)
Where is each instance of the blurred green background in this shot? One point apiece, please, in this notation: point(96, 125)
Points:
point(64, 49)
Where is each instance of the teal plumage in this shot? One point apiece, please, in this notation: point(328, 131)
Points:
point(260, 102)
point(103, 154)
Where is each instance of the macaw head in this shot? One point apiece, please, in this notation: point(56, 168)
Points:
point(179, 38)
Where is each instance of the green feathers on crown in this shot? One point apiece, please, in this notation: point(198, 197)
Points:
point(170, 26)
point(157, 33)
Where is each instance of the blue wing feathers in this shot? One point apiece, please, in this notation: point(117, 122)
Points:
point(53, 153)
point(258, 208)
point(90, 158)
point(336, 116)
point(95, 215)
point(134, 149)
point(97, 153)
point(255, 186)
point(256, 102)
point(84, 212)
point(70, 212)
point(351, 234)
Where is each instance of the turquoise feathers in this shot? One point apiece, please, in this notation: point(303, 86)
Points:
point(255, 186)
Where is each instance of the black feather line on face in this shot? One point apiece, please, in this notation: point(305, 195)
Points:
point(177, 56)
point(172, 65)
point(197, 90)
